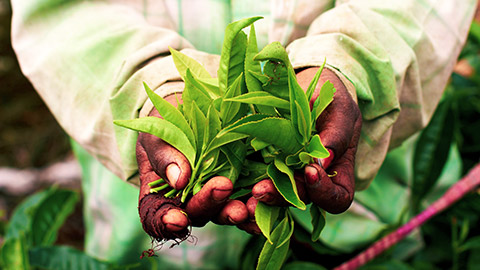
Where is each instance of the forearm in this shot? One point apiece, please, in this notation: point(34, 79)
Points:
point(397, 54)
point(87, 60)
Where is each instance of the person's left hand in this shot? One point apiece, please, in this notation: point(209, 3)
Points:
point(330, 183)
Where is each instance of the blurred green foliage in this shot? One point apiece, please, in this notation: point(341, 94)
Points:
point(29, 135)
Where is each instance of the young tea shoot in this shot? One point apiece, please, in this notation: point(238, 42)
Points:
point(255, 108)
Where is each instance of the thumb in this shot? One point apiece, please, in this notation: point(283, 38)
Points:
point(169, 163)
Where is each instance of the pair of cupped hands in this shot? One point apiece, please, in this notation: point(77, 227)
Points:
point(339, 129)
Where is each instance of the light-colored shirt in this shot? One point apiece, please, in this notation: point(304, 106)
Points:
point(88, 59)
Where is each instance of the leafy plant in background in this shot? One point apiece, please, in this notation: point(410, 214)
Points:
point(32, 231)
point(225, 124)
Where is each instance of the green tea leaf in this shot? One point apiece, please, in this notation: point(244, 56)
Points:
point(314, 82)
point(301, 111)
point(253, 84)
point(164, 130)
point(233, 56)
point(184, 62)
point(229, 109)
point(235, 153)
point(315, 149)
point(315, 145)
point(240, 193)
point(272, 256)
point(14, 253)
point(261, 98)
point(170, 113)
point(274, 51)
point(255, 172)
point(211, 85)
point(325, 97)
point(286, 237)
point(194, 92)
point(212, 126)
point(209, 162)
point(318, 221)
point(198, 126)
point(265, 217)
point(277, 74)
point(258, 144)
point(224, 139)
point(284, 185)
point(282, 167)
point(302, 126)
point(273, 130)
point(264, 79)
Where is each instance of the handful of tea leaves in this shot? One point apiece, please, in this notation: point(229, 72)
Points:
point(249, 110)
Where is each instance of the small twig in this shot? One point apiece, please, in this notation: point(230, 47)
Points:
point(157, 189)
point(156, 182)
point(453, 194)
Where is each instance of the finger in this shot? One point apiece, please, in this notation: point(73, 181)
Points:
point(146, 172)
point(209, 200)
point(251, 206)
point(332, 193)
point(336, 125)
point(337, 121)
point(266, 192)
point(233, 213)
point(166, 161)
point(162, 218)
point(250, 227)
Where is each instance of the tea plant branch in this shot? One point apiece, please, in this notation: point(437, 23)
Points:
point(453, 194)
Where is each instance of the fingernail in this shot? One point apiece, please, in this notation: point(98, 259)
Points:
point(220, 194)
point(173, 172)
point(234, 222)
point(175, 220)
point(325, 162)
point(311, 175)
point(265, 197)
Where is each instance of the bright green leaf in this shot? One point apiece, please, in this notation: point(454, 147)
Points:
point(325, 97)
point(284, 185)
point(170, 113)
point(224, 139)
point(194, 92)
point(273, 51)
point(273, 130)
point(314, 82)
point(318, 221)
point(300, 111)
point(229, 109)
point(265, 217)
point(272, 256)
point(164, 130)
point(184, 62)
point(261, 98)
point(233, 52)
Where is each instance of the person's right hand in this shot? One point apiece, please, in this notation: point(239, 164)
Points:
point(168, 218)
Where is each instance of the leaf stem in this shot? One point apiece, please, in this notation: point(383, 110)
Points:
point(156, 182)
point(170, 193)
point(157, 189)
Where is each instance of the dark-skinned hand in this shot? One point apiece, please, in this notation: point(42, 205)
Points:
point(330, 183)
point(169, 218)
point(339, 129)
